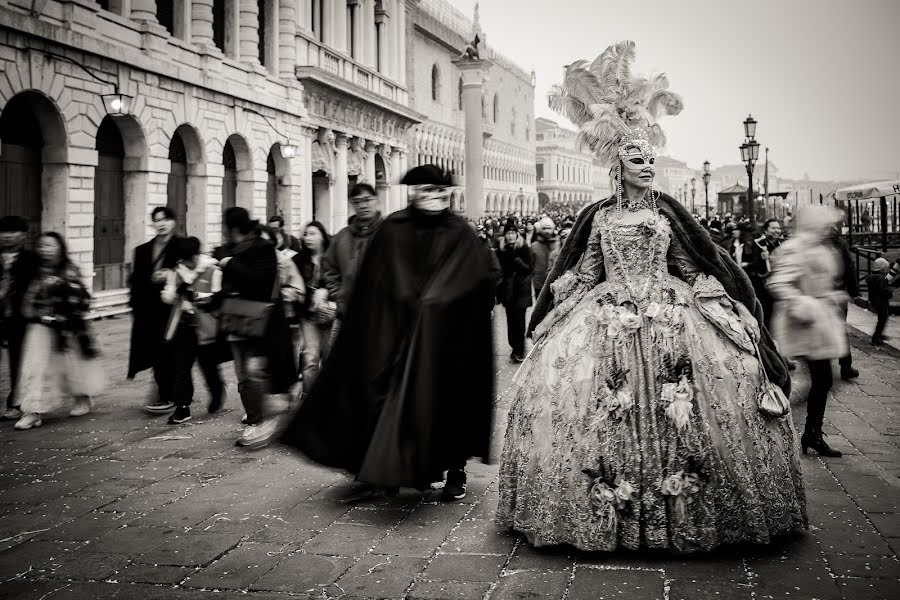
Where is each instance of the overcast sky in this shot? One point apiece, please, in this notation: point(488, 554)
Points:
point(822, 77)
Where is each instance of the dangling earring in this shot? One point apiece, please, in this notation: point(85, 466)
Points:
point(619, 188)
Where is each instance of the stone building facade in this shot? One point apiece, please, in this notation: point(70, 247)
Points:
point(439, 34)
point(279, 106)
point(565, 175)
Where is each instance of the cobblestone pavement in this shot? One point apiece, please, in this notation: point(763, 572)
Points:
point(119, 504)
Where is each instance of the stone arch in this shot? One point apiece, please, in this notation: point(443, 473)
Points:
point(186, 183)
point(34, 161)
point(237, 178)
point(120, 192)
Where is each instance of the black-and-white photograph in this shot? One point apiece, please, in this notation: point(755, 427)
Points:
point(449, 300)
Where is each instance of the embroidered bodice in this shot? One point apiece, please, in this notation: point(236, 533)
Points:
point(634, 254)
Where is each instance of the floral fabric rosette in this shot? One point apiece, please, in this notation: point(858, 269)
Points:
point(615, 399)
point(619, 320)
point(678, 398)
point(681, 487)
point(609, 501)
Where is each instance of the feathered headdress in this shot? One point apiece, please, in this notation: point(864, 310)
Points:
point(612, 107)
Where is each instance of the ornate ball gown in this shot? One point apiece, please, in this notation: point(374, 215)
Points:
point(635, 420)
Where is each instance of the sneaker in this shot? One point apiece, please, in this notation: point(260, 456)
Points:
point(28, 421)
point(158, 408)
point(244, 419)
point(455, 487)
point(82, 407)
point(259, 435)
point(12, 413)
point(181, 415)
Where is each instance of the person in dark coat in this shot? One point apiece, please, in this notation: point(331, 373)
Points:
point(151, 265)
point(849, 282)
point(759, 265)
point(18, 266)
point(517, 266)
point(880, 294)
point(407, 390)
point(276, 223)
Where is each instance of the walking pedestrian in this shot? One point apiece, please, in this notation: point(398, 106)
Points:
point(808, 320)
point(407, 390)
point(542, 246)
point(18, 266)
point(517, 265)
point(318, 312)
point(253, 318)
point(848, 281)
point(191, 334)
point(276, 224)
point(58, 351)
point(149, 314)
point(880, 294)
point(348, 247)
point(759, 264)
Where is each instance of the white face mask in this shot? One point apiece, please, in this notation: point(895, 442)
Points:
point(431, 198)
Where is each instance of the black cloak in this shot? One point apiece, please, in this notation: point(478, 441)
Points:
point(407, 390)
point(692, 239)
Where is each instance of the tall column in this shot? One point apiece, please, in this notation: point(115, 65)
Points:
point(357, 41)
point(308, 134)
point(397, 174)
point(327, 36)
point(394, 42)
point(371, 148)
point(202, 22)
point(473, 73)
point(339, 25)
point(249, 44)
point(143, 10)
point(404, 40)
point(287, 43)
point(404, 167)
point(368, 27)
point(382, 32)
point(341, 201)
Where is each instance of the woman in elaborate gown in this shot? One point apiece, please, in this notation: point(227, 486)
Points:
point(636, 420)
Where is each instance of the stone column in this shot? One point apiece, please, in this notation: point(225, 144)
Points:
point(287, 44)
point(371, 149)
point(357, 42)
point(396, 175)
point(339, 25)
point(368, 27)
point(394, 42)
point(145, 10)
point(249, 43)
point(308, 134)
point(404, 190)
point(383, 33)
point(202, 23)
point(473, 72)
point(327, 36)
point(406, 36)
point(341, 201)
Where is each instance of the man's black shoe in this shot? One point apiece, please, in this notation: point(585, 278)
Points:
point(455, 487)
point(849, 373)
point(181, 415)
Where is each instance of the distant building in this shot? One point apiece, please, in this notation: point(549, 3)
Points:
point(566, 176)
point(439, 34)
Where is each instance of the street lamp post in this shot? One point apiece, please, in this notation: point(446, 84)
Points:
point(749, 155)
point(693, 192)
point(706, 177)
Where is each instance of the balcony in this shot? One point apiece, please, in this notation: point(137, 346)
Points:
point(334, 69)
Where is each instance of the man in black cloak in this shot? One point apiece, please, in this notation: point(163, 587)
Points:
point(407, 390)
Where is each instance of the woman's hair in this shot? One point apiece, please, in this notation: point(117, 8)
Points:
point(64, 261)
point(238, 218)
point(305, 254)
point(188, 248)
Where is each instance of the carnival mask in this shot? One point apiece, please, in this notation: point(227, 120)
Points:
point(636, 151)
point(432, 198)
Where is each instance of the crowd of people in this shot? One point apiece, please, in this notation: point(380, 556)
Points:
point(650, 412)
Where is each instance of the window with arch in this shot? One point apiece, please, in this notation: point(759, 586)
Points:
point(459, 93)
point(512, 123)
point(435, 82)
point(496, 107)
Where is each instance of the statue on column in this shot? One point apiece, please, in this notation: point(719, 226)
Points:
point(356, 158)
point(472, 51)
point(324, 152)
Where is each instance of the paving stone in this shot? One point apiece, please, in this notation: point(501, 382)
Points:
point(314, 515)
point(412, 546)
point(448, 590)
point(304, 573)
point(526, 556)
point(887, 524)
point(481, 536)
point(379, 576)
point(157, 574)
point(81, 565)
point(240, 567)
point(133, 541)
point(681, 589)
point(32, 555)
point(379, 517)
point(348, 539)
point(465, 567)
point(533, 585)
point(294, 538)
point(870, 589)
point(793, 580)
point(596, 584)
point(191, 549)
point(180, 514)
point(29, 589)
point(848, 565)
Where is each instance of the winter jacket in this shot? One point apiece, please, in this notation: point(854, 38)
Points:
point(517, 266)
point(542, 247)
point(183, 287)
point(343, 258)
point(880, 292)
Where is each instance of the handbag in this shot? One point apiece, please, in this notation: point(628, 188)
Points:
point(247, 318)
point(771, 400)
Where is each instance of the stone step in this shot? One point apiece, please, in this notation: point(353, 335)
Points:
point(109, 303)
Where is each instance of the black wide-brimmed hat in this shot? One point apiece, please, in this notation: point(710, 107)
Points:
point(427, 175)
